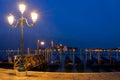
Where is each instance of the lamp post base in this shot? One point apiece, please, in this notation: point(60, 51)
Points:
point(21, 74)
point(21, 68)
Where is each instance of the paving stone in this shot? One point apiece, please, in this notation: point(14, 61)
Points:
point(8, 74)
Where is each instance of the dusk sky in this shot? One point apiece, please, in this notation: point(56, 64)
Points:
point(77, 23)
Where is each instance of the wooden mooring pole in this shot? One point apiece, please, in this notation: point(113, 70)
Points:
point(90, 55)
point(86, 57)
point(73, 52)
point(81, 54)
point(60, 53)
point(28, 51)
point(99, 61)
point(109, 56)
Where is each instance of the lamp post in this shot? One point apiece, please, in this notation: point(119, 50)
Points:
point(40, 43)
point(22, 21)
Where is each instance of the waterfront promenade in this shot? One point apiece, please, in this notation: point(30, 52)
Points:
point(9, 74)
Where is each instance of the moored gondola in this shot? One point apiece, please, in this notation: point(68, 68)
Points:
point(106, 62)
point(78, 62)
point(89, 62)
point(115, 63)
point(54, 63)
point(68, 63)
point(95, 65)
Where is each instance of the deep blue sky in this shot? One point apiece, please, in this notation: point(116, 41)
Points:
point(78, 23)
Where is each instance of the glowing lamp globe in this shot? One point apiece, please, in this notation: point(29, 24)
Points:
point(22, 7)
point(34, 16)
point(10, 19)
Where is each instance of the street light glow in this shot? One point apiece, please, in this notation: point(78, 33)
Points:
point(42, 42)
point(10, 19)
point(34, 16)
point(22, 7)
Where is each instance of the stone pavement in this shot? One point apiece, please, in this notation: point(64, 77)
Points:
point(8, 74)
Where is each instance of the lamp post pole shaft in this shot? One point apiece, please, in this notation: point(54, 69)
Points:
point(21, 66)
point(22, 36)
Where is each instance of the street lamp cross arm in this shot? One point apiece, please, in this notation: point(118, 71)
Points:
point(29, 25)
point(15, 26)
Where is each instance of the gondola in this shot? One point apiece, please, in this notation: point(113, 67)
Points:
point(68, 63)
point(111, 63)
point(89, 62)
point(95, 65)
point(54, 63)
point(115, 63)
point(78, 62)
point(106, 61)
point(106, 64)
point(94, 59)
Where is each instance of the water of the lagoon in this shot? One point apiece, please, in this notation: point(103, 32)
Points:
point(61, 68)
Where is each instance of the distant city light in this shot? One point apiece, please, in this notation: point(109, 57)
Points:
point(42, 42)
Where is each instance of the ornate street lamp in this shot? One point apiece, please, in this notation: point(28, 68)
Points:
point(21, 22)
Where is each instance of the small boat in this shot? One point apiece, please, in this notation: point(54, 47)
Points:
point(89, 62)
point(95, 59)
point(68, 63)
point(113, 61)
point(78, 62)
point(106, 62)
point(95, 65)
point(54, 63)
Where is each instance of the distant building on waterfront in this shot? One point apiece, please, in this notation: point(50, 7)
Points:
point(52, 44)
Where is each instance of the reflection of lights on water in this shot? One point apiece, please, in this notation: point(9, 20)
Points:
point(52, 62)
